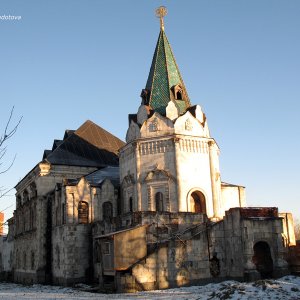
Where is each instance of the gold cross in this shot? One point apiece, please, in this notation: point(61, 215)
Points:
point(160, 13)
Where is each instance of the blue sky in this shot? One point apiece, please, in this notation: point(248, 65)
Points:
point(68, 61)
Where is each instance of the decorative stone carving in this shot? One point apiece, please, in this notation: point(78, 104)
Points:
point(153, 126)
point(157, 175)
point(188, 125)
point(44, 168)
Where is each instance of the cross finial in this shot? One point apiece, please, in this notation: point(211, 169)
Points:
point(160, 13)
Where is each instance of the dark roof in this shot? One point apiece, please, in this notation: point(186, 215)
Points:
point(96, 178)
point(90, 145)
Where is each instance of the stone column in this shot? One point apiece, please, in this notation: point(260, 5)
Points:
point(177, 164)
point(138, 174)
point(214, 179)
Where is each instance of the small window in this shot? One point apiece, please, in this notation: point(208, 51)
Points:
point(25, 196)
point(19, 200)
point(159, 201)
point(177, 92)
point(32, 260)
point(130, 205)
point(106, 248)
point(57, 257)
point(83, 213)
point(24, 260)
point(63, 210)
point(179, 95)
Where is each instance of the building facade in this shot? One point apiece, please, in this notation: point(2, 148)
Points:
point(149, 213)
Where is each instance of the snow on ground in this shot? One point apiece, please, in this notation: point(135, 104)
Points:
point(287, 287)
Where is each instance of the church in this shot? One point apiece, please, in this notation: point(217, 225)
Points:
point(148, 213)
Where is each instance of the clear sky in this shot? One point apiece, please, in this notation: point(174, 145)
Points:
point(68, 61)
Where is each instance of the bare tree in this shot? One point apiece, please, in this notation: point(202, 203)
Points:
point(9, 131)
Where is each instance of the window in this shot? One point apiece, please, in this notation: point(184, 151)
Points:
point(179, 95)
point(32, 260)
point(97, 253)
point(31, 218)
point(33, 191)
point(83, 212)
point(18, 259)
point(177, 92)
point(19, 200)
point(63, 209)
point(57, 257)
point(106, 248)
point(130, 205)
point(25, 196)
point(107, 210)
point(159, 201)
point(24, 260)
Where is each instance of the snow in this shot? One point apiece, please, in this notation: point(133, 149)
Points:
point(287, 287)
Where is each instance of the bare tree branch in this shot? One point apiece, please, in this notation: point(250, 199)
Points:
point(1, 172)
point(9, 131)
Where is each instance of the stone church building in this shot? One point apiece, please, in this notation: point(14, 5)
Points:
point(148, 213)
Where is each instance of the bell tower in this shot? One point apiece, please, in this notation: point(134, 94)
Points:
point(170, 163)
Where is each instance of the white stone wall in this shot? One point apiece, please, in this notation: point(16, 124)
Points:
point(232, 196)
point(71, 250)
point(184, 151)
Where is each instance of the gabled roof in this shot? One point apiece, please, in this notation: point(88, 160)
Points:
point(163, 76)
point(90, 145)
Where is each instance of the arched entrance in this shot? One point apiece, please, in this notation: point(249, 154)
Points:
point(198, 203)
point(263, 260)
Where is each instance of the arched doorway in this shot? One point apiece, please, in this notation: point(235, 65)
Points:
point(263, 260)
point(198, 203)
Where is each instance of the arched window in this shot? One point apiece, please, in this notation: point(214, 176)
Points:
point(31, 218)
point(33, 191)
point(24, 260)
point(63, 212)
point(198, 204)
point(57, 257)
point(263, 260)
point(97, 251)
point(107, 210)
point(18, 259)
point(159, 201)
point(130, 205)
point(32, 260)
point(19, 200)
point(25, 196)
point(83, 212)
point(179, 95)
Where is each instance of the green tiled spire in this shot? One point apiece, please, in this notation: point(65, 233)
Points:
point(164, 81)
